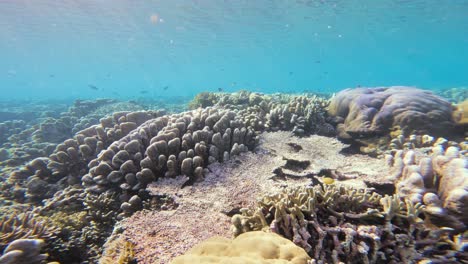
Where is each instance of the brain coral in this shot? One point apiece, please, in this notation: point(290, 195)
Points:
point(248, 248)
point(370, 111)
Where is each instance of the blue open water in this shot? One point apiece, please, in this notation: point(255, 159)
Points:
point(125, 49)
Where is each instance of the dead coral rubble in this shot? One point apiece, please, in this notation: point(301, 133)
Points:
point(337, 224)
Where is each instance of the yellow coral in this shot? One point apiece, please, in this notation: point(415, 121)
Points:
point(460, 114)
point(119, 251)
point(248, 248)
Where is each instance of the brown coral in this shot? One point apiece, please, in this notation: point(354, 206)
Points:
point(370, 111)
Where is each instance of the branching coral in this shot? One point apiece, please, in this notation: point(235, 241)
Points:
point(342, 224)
point(24, 225)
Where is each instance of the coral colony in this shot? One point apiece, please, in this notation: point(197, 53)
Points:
point(72, 183)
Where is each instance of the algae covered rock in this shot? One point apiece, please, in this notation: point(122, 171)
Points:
point(248, 248)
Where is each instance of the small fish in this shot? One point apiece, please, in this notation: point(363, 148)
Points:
point(93, 87)
point(233, 84)
point(220, 89)
point(165, 87)
point(291, 73)
point(51, 76)
point(328, 180)
point(317, 61)
point(143, 91)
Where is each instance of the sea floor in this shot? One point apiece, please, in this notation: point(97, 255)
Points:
point(204, 209)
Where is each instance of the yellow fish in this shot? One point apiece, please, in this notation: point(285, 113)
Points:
point(328, 180)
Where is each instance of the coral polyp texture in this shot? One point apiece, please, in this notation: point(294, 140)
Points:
point(250, 248)
point(338, 224)
point(376, 111)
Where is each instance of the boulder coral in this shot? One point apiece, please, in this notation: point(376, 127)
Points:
point(248, 248)
point(364, 112)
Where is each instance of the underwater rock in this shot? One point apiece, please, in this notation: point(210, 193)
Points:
point(245, 249)
point(364, 112)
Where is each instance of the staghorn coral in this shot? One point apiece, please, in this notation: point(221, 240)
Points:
point(342, 224)
point(252, 247)
point(365, 112)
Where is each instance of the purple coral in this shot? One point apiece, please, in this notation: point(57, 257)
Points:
point(370, 111)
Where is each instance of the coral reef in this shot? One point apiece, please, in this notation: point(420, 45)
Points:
point(252, 247)
point(364, 112)
point(70, 159)
point(438, 177)
point(165, 147)
point(22, 251)
point(110, 166)
point(337, 224)
point(455, 95)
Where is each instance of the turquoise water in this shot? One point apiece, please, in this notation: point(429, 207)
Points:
point(126, 49)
